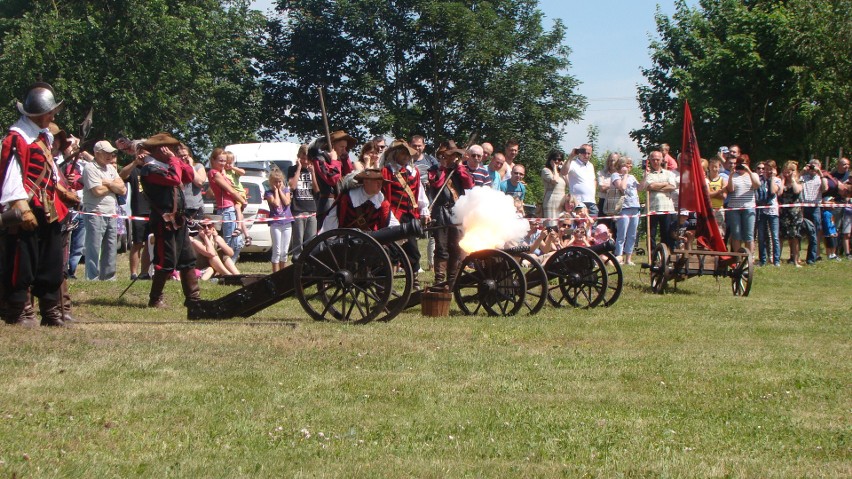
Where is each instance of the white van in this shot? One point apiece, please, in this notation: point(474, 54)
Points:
point(263, 155)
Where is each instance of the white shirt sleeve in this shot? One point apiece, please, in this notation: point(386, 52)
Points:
point(13, 184)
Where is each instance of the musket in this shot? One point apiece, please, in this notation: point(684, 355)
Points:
point(85, 129)
point(325, 119)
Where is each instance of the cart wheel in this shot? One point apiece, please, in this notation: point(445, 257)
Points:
point(660, 268)
point(490, 281)
point(741, 274)
point(614, 281)
point(580, 275)
point(346, 275)
point(403, 282)
point(537, 283)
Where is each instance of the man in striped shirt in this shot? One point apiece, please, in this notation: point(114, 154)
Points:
point(813, 186)
point(480, 175)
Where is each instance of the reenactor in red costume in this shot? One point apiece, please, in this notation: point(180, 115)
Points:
point(363, 207)
point(447, 182)
point(404, 190)
point(163, 176)
point(32, 258)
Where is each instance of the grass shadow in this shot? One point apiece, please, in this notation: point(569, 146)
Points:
point(123, 302)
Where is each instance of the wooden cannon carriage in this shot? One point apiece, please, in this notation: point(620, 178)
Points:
point(355, 276)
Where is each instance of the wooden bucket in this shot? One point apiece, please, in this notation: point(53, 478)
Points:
point(435, 303)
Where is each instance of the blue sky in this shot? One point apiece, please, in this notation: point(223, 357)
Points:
point(609, 43)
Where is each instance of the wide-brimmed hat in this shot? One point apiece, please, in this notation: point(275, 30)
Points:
point(449, 148)
point(60, 137)
point(160, 139)
point(342, 135)
point(399, 145)
point(369, 174)
point(39, 100)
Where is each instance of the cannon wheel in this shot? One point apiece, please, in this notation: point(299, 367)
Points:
point(581, 278)
point(344, 274)
point(492, 281)
point(741, 274)
point(403, 282)
point(660, 268)
point(614, 281)
point(537, 283)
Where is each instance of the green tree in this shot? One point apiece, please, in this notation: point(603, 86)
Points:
point(755, 72)
point(444, 69)
point(184, 66)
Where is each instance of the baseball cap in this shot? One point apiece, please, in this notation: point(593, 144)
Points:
point(105, 147)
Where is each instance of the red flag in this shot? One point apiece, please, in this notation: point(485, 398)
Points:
point(694, 194)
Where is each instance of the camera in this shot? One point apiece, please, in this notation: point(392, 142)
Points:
point(551, 228)
point(581, 151)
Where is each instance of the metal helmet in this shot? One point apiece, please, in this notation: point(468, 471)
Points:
point(39, 101)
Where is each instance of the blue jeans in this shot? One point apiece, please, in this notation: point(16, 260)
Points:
point(813, 213)
point(592, 207)
point(625, 237)
point(100, 247)
point(740, 224)
point(78, 239)
point(229, 225)
point(767, 225)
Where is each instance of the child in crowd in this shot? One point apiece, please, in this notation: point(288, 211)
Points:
point(213, 255)
point(829, 229)
point(580, 237)
point(281, 227)
point(601, 234)
point(582, 218)
point(234, 173)
point(519, 208)
point(683, 230)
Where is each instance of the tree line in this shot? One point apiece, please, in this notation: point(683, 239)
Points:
point(772, 76)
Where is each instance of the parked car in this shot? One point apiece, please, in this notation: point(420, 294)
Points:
point(263, 155)
point(255, 184)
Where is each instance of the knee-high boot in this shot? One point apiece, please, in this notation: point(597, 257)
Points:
point(189, 283)
point(158, 282)
point(51, 312)
point(440, 270)
point(22, 314)
point(65, 301)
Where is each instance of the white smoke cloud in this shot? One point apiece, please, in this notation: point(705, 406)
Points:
point(489, 219)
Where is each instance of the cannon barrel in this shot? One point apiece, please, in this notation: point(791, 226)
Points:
point(516, 250)
point(608, 245)
point(396, 233)
point(10, 217)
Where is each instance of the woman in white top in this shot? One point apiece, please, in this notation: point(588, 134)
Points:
point(554, 186)
point(628, 221)
point(741, 202)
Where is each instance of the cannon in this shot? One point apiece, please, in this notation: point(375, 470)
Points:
point(343, 274)
point(505, 282)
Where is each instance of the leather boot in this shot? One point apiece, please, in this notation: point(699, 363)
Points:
point(452, 272)
point(65, 301)
point(51, 312)
point(158, 282)
point(21, 314)
point(189, 283)
point(440, 270)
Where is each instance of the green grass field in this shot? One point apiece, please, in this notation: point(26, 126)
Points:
point(697, 383)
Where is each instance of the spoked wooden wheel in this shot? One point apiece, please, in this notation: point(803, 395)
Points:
point(403, 282)
point(490, 281)
point(615, 279)
point(345, 275)
point(660, 268)
point(537, 283)
point(580, 278)
point(741, 274)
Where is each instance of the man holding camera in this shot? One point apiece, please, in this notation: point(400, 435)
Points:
point(581, 177)
point(814, 184)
